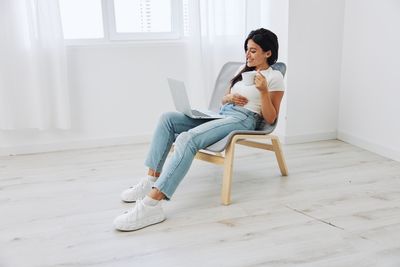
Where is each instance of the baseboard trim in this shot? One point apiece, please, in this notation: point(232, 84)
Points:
point(146, 138)
point(75, 144)
point(306, 138)
point(370, 146)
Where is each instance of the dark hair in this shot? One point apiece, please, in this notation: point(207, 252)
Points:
point(267, 40)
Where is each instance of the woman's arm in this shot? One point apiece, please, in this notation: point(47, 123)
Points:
point(227, 98)
point(234, 99)
point(270, 101)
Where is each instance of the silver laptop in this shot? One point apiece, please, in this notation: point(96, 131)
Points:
point(181, 101)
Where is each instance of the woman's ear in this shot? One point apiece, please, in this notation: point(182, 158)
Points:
point(268, 54)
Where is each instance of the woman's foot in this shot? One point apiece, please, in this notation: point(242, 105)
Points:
point(138, 191)
point(142, 215)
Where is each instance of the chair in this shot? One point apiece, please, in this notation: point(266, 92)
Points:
point(215, 152)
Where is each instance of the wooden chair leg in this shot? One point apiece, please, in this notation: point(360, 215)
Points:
point(279, 156)
point(227, 178)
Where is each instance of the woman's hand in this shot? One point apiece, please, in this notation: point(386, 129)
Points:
point(261, 82)
point(235, 99)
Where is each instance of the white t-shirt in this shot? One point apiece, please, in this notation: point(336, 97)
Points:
point(274, 81)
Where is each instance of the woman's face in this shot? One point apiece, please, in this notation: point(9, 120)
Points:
point(256, 57)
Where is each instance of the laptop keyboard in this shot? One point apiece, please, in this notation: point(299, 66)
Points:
point(199, 114)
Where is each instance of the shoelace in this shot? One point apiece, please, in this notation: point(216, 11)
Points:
point(141, 184)
point(135, 211)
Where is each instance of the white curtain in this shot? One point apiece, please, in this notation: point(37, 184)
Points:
point(217, 30)
point(33, 75)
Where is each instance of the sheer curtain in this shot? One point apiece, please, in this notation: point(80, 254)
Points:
point(33, 75)
point(217, 30)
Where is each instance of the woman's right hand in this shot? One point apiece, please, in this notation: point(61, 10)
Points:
point(236, 99)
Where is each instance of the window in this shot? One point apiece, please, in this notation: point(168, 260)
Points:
point(123, 19)
point(81, 19)
point(142, 16)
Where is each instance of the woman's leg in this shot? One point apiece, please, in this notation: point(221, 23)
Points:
point(170, 124)
point(188, 143)
point(149, 211)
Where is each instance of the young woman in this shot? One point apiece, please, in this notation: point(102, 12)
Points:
point(245, 106)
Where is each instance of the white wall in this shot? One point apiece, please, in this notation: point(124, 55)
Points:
point(117, 95)
point(370, 90)
point(313, 78)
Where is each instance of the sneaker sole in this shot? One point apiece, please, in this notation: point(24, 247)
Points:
point(133, 200)
point(128, 201)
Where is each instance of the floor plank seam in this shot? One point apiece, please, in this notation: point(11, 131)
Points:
point(315, 218)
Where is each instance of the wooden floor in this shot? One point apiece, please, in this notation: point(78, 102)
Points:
point(339, 206)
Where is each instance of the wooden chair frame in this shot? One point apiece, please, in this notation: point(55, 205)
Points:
point(227, 159)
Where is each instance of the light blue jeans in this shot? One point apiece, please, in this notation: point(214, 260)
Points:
point(192, 135)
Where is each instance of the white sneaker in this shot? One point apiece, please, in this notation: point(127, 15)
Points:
point(138, 191)
point(139, 217)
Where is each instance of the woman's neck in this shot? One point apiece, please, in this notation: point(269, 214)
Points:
point(262, 67)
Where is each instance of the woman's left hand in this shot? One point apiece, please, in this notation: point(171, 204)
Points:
point(261, 82)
